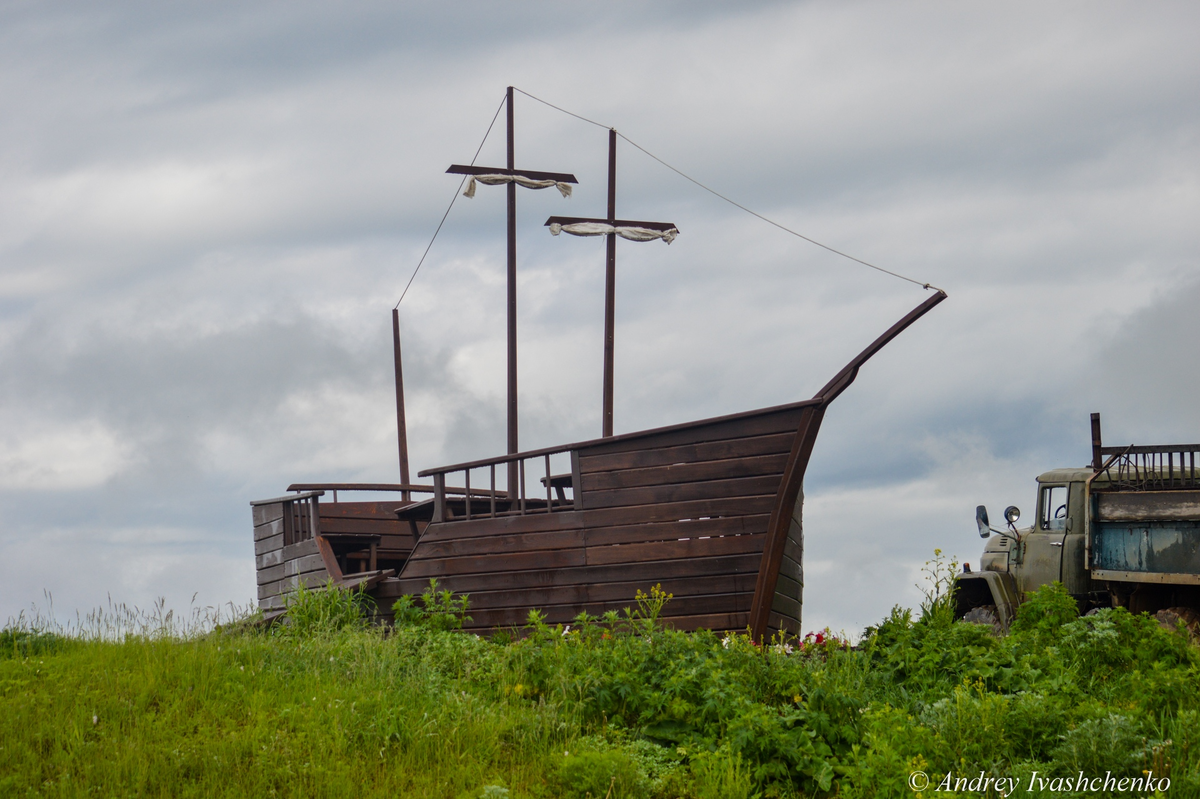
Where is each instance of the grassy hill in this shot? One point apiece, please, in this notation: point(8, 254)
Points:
point(616, 707)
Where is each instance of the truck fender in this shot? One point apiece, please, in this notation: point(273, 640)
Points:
point(976, 589)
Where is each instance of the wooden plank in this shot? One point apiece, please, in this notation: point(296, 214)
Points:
point(707, 491)
point(293, 551)
point(502, 544)
point(268, 559)
point(289, 568)
point(604, 517)
point(287, 584)
point(768, 421)
point(566, 539)
point(688, 453)
point(507, 581)
point(776, 621)
point(264, 514)
point(1177, 505)
point(369, 526)
point(360, 510)
point(308, 563)
point(675, 511)
point(674, 473)
point(713, 621)
point(681, 588)
point(274, 602)
point(329, 559)
point(365, 580)
point(786, 606)
point(502, 525)
point(669, 550)
point(674, 530)
point(266, 545)
point(791, 569)
point(518, 561)
point(789, 587)
point(268, 529)
point(269, 574)
point(558, 614)
point(793, 549)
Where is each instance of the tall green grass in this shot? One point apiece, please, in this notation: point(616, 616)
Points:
point(141, 704)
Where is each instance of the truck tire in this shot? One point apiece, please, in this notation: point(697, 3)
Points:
point(985, 614)
point(1170, 618)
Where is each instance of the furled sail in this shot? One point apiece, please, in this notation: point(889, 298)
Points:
point(496, 179)
point(624, 231)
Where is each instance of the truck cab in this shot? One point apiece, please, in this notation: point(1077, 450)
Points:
point(1123, 532)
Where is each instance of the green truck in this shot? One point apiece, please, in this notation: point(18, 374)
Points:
point(1122, 532)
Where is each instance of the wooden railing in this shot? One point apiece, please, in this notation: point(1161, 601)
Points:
point(405, 489)
point(491, 502)
point(301, 517)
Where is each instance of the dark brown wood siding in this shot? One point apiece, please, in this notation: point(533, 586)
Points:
point(686, 509)
point(281, 568)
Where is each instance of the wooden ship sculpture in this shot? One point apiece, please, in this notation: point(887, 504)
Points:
point(711, 510)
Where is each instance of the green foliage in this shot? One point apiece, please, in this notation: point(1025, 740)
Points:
point(595, 774)
point(21, 639)
point(937, 607)
point(437, 610)
point(612, 706)
point(1045, 612)
point(323, 611)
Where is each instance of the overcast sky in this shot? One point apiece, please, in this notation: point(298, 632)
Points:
point(207, 212)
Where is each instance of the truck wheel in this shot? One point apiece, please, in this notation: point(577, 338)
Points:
point(985, 614)
point(1170, 618)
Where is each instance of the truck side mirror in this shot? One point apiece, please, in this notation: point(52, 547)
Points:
point(981, 519)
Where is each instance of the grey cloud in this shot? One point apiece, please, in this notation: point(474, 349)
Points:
point(207, 213)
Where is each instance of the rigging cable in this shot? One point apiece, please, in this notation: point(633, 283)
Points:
point(716, 193)
point(451, 205)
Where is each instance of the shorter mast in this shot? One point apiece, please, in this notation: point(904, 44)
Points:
point(611, 227)
point(401, 424)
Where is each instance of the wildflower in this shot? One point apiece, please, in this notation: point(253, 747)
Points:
point(566, 630)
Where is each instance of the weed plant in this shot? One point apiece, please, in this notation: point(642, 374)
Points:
point(616, 706)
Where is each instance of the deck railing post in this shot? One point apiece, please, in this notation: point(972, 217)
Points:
point(521, 483)
point(439, 497)
point(314, 521)
point(492, 494)
point(467, 486)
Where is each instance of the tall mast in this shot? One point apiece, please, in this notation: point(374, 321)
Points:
point(510, 176)
point(512, 305)
point(610, 286)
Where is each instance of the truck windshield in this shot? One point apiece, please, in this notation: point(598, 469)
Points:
point(1054, 507)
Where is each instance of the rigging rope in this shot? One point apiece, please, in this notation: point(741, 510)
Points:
point(451, 205)
point(716, 193)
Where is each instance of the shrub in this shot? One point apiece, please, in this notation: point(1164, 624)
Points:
point(323, 611)
point(1046, 611)
point(438, 610)
point(592, 775)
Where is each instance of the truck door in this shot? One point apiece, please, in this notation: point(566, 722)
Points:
point(1043, 545)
